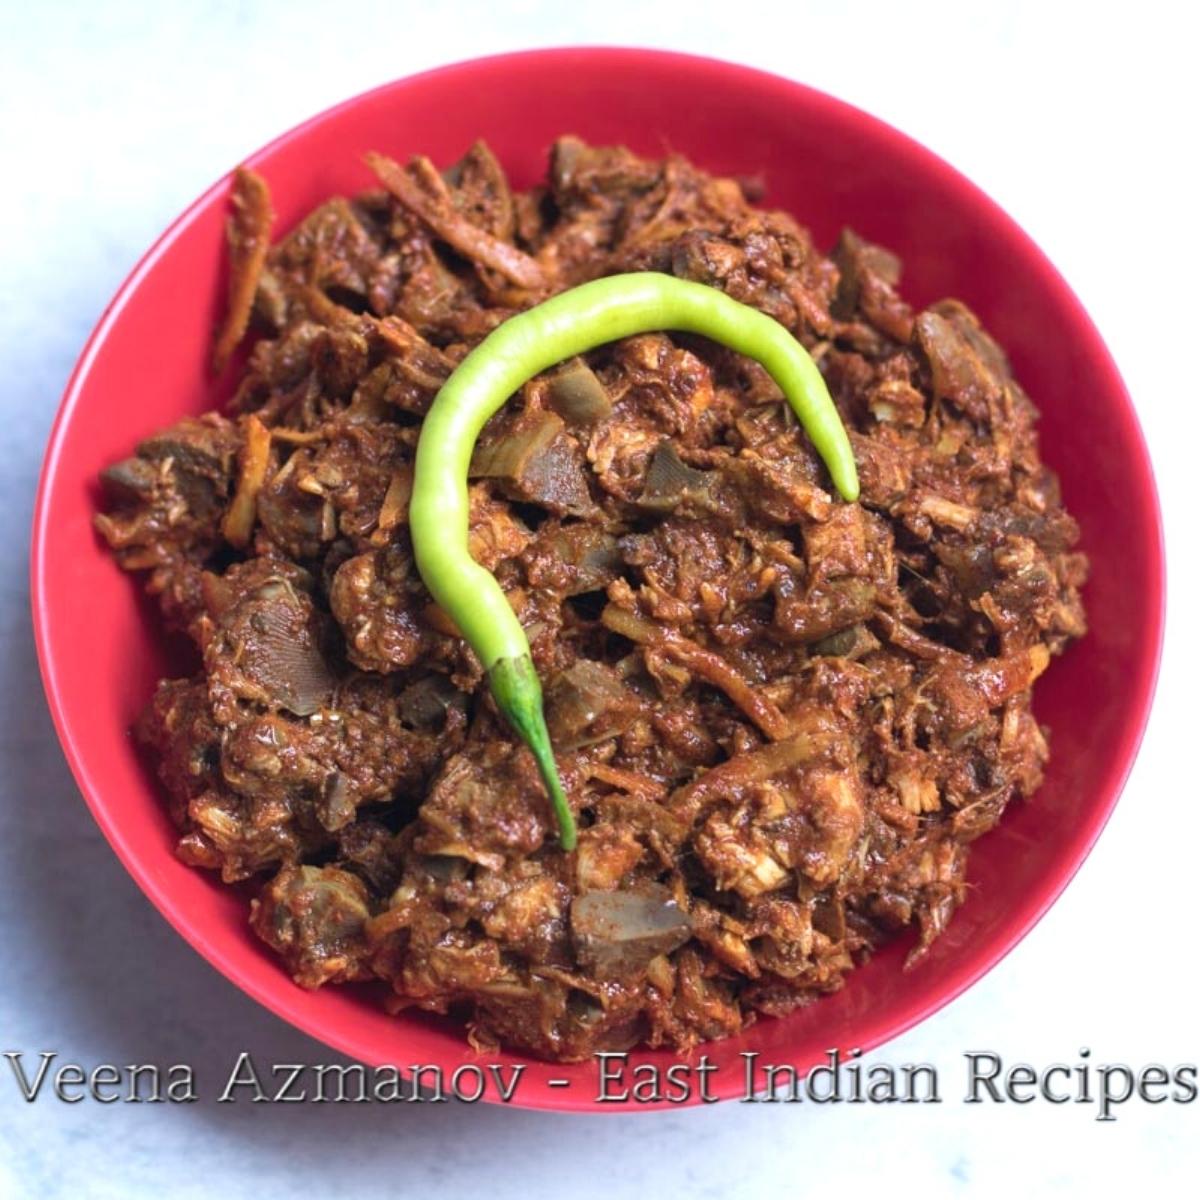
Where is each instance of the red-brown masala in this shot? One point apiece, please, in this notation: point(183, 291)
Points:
point(780, 720)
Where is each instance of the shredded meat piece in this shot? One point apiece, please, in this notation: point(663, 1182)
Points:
point(780, 720)
point(455, 229)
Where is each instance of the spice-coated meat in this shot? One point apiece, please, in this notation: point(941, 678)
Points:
point(780, 720)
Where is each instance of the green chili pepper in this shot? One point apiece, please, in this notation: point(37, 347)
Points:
point(560, 328)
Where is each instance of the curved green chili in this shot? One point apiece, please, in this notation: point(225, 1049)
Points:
point(566, 325)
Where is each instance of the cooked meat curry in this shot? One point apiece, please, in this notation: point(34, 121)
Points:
point(781, 720)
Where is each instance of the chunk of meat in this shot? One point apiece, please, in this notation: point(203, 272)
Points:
point(336, 250)
point(967, 367)
point(165, 510)
point(868, 276)
point(299, 519)
point(618, 933)
point(536, 462)
point(495, 533)
point(266, 641)
point(314, 917)
point(170, 496)
point(588, 703)
point(481, 192)
point(607, 853)
point(372, 598)
point(485, 807)
point(572, 559)
point(220, 829)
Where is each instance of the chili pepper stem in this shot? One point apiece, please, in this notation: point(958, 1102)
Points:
point(518, 695)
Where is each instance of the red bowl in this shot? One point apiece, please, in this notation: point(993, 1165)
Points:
point(101, 648)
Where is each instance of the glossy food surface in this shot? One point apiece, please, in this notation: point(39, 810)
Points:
point(830, 166)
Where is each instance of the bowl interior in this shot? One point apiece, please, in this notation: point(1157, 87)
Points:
point(102, 649)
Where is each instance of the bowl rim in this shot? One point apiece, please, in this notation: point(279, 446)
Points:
point(1139, 698)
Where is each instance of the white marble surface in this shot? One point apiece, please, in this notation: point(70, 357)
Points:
point(112, 117)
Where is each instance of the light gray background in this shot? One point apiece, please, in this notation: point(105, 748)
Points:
point(113, 116)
